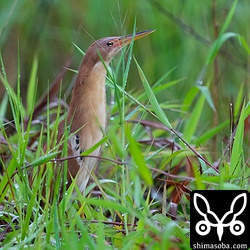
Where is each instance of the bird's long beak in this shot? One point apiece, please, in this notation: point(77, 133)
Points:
point(125, 40)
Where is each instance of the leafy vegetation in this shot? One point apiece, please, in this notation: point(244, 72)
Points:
point(179, 115)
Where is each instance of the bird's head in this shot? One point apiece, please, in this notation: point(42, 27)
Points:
point(106, 48)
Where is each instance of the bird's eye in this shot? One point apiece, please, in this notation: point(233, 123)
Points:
point(110, 44)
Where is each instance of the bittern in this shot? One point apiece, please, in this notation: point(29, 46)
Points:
point(87, 110)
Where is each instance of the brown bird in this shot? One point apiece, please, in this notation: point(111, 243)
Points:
point(87, 110)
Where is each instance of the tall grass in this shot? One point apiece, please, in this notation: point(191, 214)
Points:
point(160, 142)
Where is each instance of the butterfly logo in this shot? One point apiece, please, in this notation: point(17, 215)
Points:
point(210, 219)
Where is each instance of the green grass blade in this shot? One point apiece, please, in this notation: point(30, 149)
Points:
point(162, 78)
point(156, 106)
point(189, 98)
point(129, 56)
point(193, 121)
point(3, 108)
point(43, 159)
point(217, 45)
point(245, 44)
point(229, 17)
point(56, 226)
point(223, 37)
point(210, 133)
point(139, 160)
point(32, 86)
point(94, 147)
point(79, 49)
point(237, 156)
point(205, 91)
point(7, 178)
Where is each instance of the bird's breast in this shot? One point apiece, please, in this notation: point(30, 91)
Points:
point(97, 95)
point(88, 108)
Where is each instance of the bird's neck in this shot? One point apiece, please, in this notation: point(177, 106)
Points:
point(87, 110)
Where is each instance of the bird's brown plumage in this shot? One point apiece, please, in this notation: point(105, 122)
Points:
point(87, 110)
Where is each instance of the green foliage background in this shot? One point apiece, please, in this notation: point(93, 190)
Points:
point(50, 27)
point(190, 76)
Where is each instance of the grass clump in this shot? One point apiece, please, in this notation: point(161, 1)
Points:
point(154, 153)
